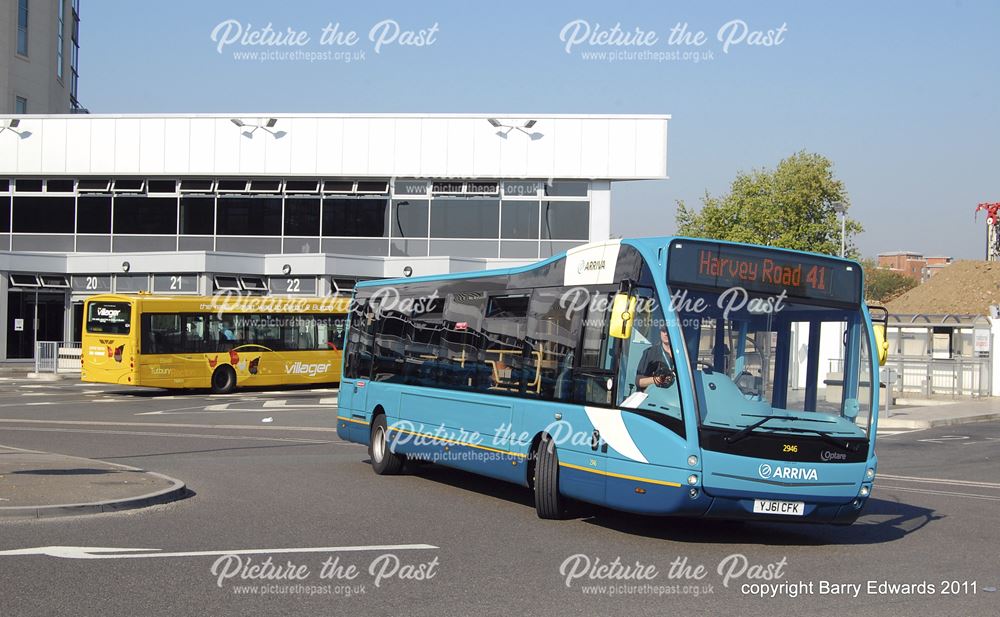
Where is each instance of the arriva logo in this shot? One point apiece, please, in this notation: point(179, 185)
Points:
point(591, 265)
point(786, 473)
point(301, 368)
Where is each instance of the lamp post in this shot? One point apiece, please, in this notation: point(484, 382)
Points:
point(841, 208)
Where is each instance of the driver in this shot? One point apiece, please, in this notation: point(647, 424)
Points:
point(656, 366)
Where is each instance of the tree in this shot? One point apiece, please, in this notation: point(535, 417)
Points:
point(789, 207)
point(884, 285)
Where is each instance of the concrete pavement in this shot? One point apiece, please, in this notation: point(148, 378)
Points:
point(37, 484)
point(949, 414)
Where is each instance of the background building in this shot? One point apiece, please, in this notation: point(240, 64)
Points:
point(39, 56)
point(913, 265)
point(291, 203)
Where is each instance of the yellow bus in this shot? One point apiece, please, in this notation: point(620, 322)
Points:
point(219, 342)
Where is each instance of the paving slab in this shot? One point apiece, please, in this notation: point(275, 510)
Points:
point(37, 484)
point(950, 414)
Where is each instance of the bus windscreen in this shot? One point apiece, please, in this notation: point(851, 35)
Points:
point(714, 265)
point(109, 317)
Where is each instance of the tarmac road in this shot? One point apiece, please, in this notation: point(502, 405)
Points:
point(460, 544)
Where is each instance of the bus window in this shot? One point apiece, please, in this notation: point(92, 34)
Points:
point(461, 341)
point(648, 370)
point(551, 346)
point(504, 330)
point(228, 330)
point(265, 330)
point(194, 333)
point(423, 346)
point(597, 356)
point(161, 333)
point(359, 356)
point(391, 330)
point(109, 317)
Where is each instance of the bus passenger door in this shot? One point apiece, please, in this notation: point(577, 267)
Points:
point(584, 458)
point(352, 400)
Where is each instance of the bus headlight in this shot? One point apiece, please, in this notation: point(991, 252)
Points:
point(692, 479)
point(692, 460)
point(869, 474)
point(865, 490)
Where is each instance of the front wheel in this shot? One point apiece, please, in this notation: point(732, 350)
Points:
point(223, 380)
point(385, 462)
point(548, 503)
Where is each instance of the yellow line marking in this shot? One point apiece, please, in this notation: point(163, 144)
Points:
point(459, 443)
point(351, 420)
point(619, 475)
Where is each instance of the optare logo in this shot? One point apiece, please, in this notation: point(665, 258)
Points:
point(828, 455)
point(786, 473)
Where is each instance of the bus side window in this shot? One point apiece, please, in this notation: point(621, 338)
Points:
point(392, 328)
point(551, 345)
point(597, 356)
point(648, 372)
point(461, 340)
point(504, 329)
point(359, 341)
point(194, 333)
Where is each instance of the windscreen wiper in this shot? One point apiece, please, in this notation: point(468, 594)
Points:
point(740, 434)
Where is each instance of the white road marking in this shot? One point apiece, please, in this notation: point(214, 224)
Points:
point(894, 432)
point(920, 480)
point(172, 435)
point(99, 552)
point(266, 406)
point(284, 403)
point(931, 492)
point(944, 439)
point(241, 427)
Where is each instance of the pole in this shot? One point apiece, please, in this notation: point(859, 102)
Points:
point(843, 233)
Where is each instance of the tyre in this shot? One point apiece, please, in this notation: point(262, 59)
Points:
point(385, 462)
point(223, 380)
point(548, 503)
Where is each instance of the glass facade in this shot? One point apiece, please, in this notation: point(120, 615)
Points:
point(521, 219)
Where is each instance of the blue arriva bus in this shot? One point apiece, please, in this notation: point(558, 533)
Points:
point(666, 376)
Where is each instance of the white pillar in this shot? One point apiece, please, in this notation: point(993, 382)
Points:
point(994, 344)
point(600, 211)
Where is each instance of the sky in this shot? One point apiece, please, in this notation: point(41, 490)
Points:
point(903, 97)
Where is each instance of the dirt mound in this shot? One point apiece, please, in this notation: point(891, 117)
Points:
point(964, 287)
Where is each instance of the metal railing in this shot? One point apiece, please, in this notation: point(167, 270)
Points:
point(57, 357)
point(918, 377)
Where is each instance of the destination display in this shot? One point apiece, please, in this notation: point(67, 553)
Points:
point(715, 265)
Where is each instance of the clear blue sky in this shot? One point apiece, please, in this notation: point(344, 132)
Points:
point(904, 97)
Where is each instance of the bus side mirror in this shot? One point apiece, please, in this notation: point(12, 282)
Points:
point(622, 316)
point(880, 323)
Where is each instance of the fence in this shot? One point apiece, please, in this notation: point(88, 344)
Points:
point(57, 357)
point(930, 378)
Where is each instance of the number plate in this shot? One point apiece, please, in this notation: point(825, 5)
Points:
point(771, 506)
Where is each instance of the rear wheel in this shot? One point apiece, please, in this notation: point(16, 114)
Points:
point(385, 462)
point(223, 380)
point(548, 503)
